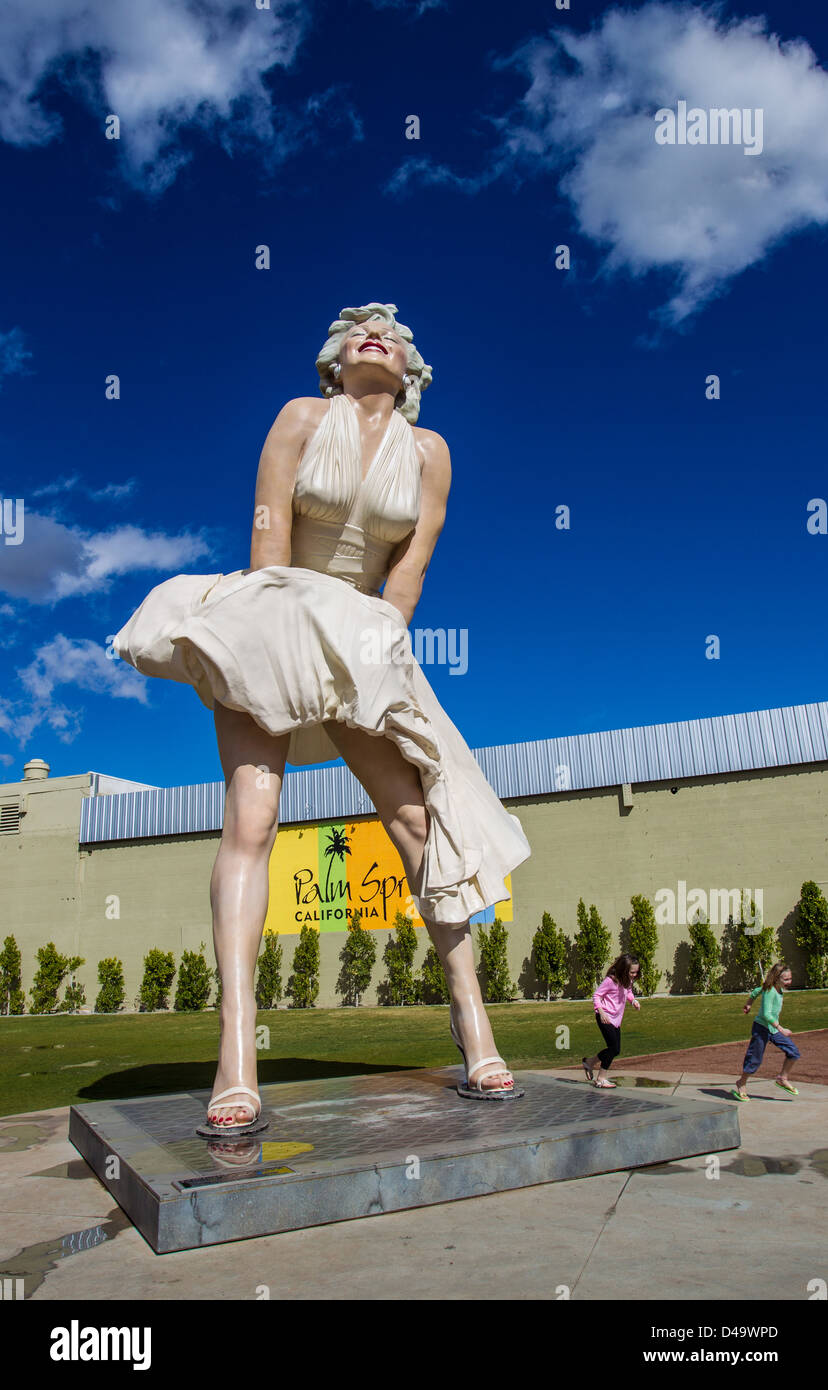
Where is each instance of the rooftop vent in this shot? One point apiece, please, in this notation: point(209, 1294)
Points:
point(36, 770)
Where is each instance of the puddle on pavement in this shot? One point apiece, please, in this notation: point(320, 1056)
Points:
point(34, 1262)
point(14, 1139)
point(746, 1165)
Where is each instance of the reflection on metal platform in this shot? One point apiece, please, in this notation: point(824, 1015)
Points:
point(362, 1145)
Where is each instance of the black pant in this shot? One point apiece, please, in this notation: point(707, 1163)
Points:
point(612, 1038)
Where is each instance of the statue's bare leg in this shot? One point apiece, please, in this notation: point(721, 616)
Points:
point(394, 786)
point(253, 763)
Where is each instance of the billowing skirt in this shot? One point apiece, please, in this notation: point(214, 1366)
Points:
point(294, 648)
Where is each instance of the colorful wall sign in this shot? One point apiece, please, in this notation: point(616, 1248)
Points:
point(319, 874)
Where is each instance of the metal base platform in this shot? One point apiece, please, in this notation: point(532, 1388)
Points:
point(363, 1145)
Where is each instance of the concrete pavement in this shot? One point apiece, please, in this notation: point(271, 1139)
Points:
point(688, 1230)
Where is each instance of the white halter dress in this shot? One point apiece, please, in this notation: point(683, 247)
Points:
point(296, 645)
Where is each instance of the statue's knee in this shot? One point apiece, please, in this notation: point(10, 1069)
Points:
point(250, 825)
point(409, 829)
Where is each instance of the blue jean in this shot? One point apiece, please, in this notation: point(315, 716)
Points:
point(759, 1038)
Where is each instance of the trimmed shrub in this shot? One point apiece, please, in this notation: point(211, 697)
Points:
point(499, 987)
point(550, 956)
point(751, 952)
point(12, 998)
point(399, 986)
point(644, 942)
point(433, 985)
point(159, 971)
point(357, 958)
point(705, 965)
point(111, 993)
point(194, 982)
point(52, 971)
point(592, 945)
point(269, 979)
point(811, 933)
point(303, 985)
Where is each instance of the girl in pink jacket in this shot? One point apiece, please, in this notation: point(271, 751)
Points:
point(610, 1000)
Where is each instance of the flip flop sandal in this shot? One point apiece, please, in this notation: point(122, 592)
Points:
point(737, 1094)
point(210, 1131)
point(783, 1086)
point(590, 1073)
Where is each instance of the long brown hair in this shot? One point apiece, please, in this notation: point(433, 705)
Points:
point(620, 969)
point(773, 975)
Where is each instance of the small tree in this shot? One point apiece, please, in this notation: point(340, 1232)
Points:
point(400, 987)
point(159, 970)
point(500, 988)
point(269, 980)
point(75, 996)
point(303, 985)
point(592, 945)
point(811, 933)
point(194, 982)
point(644, 942)
point(550, 956)
point(755, 946)
point(12, 998)
point(705, 966)
point(357, 957)
point(52, 970)
point(433, 984)
point(111, 993)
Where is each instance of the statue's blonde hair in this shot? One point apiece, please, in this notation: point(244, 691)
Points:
point(419, 373)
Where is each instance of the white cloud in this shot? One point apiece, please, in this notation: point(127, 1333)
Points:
point(698, 214)
point(64, 484)
point(65, 661)
point(159, 65)
point(56, 561)
point(111, 492)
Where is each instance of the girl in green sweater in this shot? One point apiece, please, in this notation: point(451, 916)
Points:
point(767, 1028)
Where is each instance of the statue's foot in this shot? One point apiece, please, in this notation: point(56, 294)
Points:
point(235, 1104)
point(234, 1114)
point(486, 1079)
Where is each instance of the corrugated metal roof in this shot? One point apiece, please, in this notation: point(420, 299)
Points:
point(652, 753)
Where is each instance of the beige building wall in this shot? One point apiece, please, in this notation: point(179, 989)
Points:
point(765, 830)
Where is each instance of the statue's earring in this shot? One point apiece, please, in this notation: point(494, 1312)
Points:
point(336, 370)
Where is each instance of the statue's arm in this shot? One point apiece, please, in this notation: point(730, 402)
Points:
point(411, 558)
point(275, 481)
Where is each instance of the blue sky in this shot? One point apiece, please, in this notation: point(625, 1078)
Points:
point(582, 387)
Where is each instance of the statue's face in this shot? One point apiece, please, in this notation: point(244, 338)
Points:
point(375, 350)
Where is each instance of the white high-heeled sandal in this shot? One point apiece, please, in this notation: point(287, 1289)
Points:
point(475, 1090)
point(241, 1127)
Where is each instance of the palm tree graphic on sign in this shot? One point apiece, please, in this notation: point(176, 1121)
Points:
point(338, 847)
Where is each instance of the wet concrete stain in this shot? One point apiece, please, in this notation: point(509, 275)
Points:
point(34, 1262)
point(15, 1139)
point(747, 1165)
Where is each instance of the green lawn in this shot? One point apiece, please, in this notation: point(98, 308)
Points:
point(68, 1059)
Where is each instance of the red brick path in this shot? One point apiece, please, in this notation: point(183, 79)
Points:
point(728, 1057)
